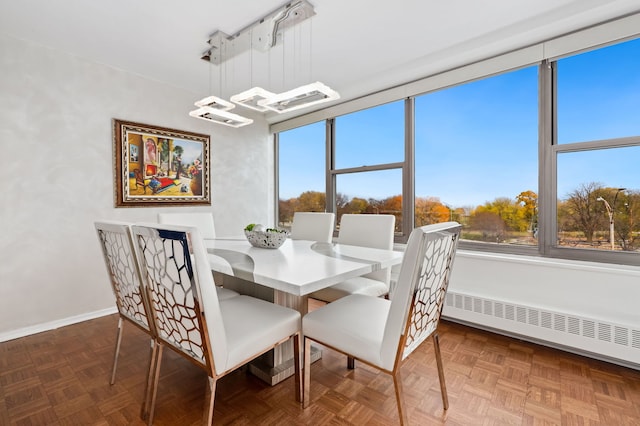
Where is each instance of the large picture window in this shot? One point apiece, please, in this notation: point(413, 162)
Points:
point(541, 159)
point(476, 155)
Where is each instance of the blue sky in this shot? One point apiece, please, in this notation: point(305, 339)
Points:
point(478, 141)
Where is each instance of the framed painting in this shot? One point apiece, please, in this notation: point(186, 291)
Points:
point(159, 166)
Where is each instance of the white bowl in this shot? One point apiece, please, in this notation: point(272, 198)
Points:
point(265, 239)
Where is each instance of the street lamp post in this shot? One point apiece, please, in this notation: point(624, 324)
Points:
point(610, 211)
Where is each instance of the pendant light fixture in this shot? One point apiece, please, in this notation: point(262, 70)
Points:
point(262, 35)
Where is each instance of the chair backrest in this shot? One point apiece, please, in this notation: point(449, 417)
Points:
point(178, 279)
point(314, 226)
point(201, 220)
point(122, 265)
point(369, 230)
point(418, 299)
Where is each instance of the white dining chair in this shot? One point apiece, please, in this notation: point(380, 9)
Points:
point(201, 220)
point(313, 226)
point(205, 224)
point(366, 230)
point(381, 332)
point(124, 276)
point(218, 336)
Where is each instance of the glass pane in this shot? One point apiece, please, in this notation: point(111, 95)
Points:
point(477, 158)
point(301, 171)
point(599, 192)
point(378, 192)
point(369, 137)
point(599, 94)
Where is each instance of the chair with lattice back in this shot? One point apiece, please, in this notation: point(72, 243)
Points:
point(381, 332)
point(121, 262)
point(218, 336)
point(205, 224)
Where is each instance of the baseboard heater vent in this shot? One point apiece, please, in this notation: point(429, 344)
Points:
point(586, 335)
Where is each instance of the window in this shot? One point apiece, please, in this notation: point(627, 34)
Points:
point(476, 155)
point(598, 150)
point(360, 193)
point(301, 171)
point(369, 157)
point(369, 137)
point(537, 160)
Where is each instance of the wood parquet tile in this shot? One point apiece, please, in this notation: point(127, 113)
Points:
point(61, 377)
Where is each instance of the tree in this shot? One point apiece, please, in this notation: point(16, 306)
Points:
point(430, 210)
point(357, 205)
point(491, 225)
point(511, 213)
point(286, 209)
point(529, 201)
point(311, 201)
point(583, 210)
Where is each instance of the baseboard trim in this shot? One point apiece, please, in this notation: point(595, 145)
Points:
point(52, 325)
point(541, 342)
point(591, 337)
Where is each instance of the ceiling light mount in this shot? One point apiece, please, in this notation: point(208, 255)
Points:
point(261, 34)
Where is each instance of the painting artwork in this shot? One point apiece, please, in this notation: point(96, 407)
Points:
point(156, 165)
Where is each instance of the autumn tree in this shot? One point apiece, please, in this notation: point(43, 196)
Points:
point(624, 221)
point(529, 201)
point(510, 212)
point(311, 201)
point(430, 210)
point(392, 205)
point(490, 224)
point(286, 208)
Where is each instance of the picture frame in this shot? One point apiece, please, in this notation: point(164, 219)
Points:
point(157, 166)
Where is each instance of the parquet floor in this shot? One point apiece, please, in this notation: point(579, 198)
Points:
point(61, 378)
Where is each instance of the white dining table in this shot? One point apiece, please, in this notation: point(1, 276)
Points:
point(287, 276)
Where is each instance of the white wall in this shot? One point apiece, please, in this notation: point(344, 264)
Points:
point(56, 146)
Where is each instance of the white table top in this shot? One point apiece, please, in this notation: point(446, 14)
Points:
point(298, 267)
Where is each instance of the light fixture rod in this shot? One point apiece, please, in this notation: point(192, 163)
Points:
point(262, 33)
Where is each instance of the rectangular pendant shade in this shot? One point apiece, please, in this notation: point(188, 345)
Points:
point(249, 98)
point(300, 97)
point(215, 103)
point(220, 117)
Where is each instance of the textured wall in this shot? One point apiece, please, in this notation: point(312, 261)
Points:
point(56, 116)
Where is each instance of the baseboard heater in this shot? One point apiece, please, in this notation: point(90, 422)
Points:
point(606, 341)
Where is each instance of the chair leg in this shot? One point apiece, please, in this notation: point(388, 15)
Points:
point(153, 358)
point(443, 386)
point(297, 366)
point(306, 371)
point(209, 400)
point(154, 385)
point(117, 351)
point(397, 384)
point(351, 363)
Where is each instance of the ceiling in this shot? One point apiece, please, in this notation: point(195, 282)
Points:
point(356, 47)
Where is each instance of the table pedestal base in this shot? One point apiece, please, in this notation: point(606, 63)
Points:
point(277, 364)
point(273, 375)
